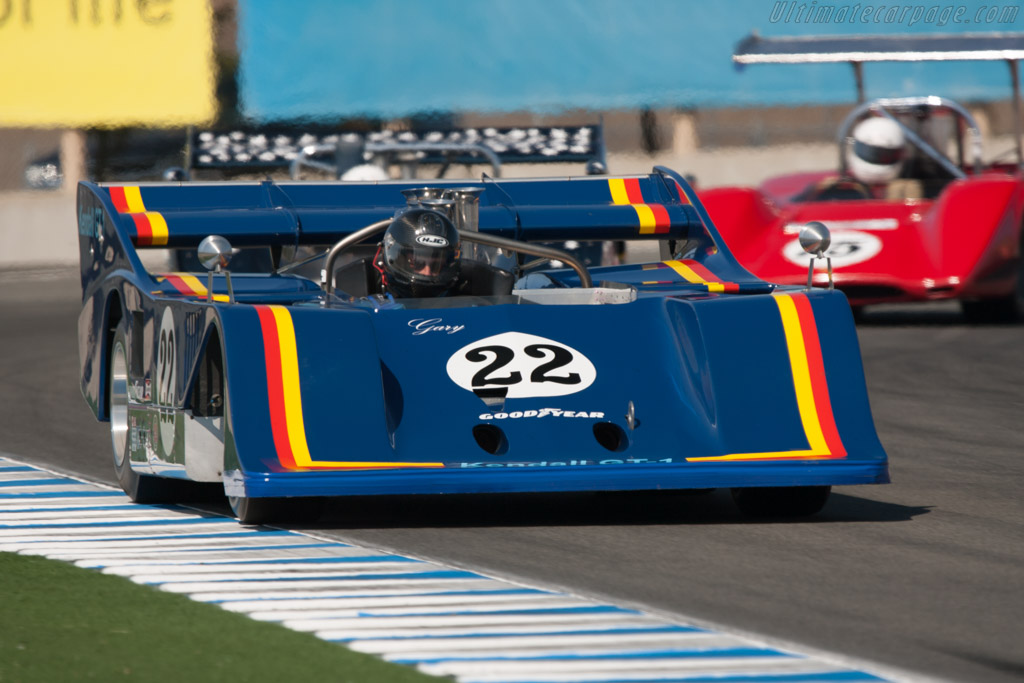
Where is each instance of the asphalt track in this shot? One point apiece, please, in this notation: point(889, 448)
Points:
point(925, 574)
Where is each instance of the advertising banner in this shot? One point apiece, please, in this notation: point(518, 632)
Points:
point(83, 63)
point(387, 58)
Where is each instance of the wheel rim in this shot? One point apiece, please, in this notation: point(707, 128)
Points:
point(119, 405)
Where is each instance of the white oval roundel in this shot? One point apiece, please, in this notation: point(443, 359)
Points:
point(848, 247)
point(525, 365)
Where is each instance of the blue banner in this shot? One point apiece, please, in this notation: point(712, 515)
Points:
point(343, 58)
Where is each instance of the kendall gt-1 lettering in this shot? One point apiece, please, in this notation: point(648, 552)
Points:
point(422, 326)
point(562, 463)
point(90, 219)
point(848, 247)
point(527, 365)
point(543, 412)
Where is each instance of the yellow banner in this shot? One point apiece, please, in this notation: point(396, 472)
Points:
point(81, 63)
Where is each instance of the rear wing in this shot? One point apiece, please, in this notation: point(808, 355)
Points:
point(756, 49)
point(856, 50)
point(174, 215)
point(261, 151)
point(116, 220)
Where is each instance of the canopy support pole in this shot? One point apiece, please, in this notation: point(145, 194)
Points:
point(1016, 110)
point(858, 75)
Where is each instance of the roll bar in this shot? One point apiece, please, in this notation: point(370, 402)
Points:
point(480, 238)
point(885, 107)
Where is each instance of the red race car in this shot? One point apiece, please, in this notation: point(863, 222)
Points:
point(914, 211)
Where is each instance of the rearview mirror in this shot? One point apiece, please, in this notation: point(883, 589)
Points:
point(214, 252)
point(815, 240)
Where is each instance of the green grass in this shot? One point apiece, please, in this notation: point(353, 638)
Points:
point(59, 623)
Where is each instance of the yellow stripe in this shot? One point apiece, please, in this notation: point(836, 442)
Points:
point(647, 221)
point(757, 456)
point(197, 287)
point(193, 282)
point(200, 290)
point(618, 188)
point(158, 225)
point(293, 403)
point(290, 381)
point(133, 197)
point(685, 271)
point(801, 384)
point(801, 373)
point(687, 274)
point(377, 465)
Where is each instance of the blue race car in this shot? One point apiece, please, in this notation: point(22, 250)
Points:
point(305, 382)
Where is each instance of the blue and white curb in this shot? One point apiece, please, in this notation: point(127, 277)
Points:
point(441, 620)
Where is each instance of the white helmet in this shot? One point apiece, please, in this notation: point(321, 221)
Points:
point(875, 154)
point(365, 172)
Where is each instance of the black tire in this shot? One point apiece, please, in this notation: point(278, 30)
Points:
point(1005, 309)
point(781, 501)
point(272, 510)
point(141, 488)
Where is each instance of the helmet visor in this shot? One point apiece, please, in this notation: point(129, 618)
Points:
point(427, 262)
point(873, 154)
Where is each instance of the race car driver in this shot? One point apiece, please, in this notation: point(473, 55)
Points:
point(875, 153)
point(419, 255)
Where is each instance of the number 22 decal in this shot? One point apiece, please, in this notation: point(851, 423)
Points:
point(166, 381)
point(528, 365)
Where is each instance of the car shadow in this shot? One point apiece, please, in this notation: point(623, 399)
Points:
point(896, 315)
point(935, 313)
point(581, 509)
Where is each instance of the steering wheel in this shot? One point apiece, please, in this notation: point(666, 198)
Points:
point(837, 188)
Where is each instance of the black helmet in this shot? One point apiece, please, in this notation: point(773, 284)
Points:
point(420, 253)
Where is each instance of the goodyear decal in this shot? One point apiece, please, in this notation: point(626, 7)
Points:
point(150, 226)
point(653, 217)
point(186, 284)
point(810, 384)
point(284, 394)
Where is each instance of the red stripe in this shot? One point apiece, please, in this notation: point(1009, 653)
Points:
point(143, 230)
point(708, 276)
point(683, 198)
point(703, 272)
point(179, 284)
point(117, 196)
point(819, 382)
point(661, 221)
point(275, 387)
point(633, 190)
